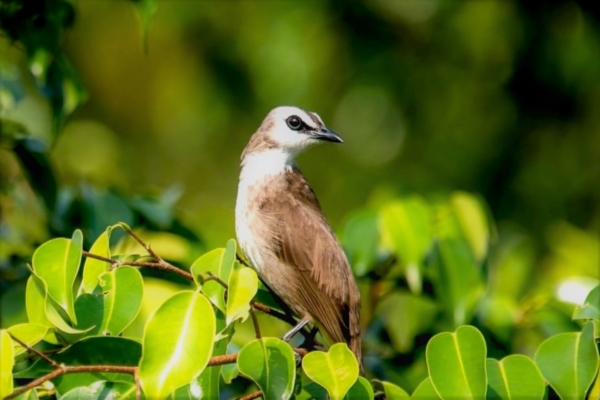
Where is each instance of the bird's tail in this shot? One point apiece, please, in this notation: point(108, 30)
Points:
point(355, 347)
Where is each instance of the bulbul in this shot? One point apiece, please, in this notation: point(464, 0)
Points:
point(284, 234)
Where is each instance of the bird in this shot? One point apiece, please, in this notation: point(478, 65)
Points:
point(284, 234)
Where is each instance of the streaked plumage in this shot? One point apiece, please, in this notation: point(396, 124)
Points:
point(283, 232)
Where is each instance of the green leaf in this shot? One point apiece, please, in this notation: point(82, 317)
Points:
point(514, 377)
point(207, 385)
point(30, 334)
point(123, 289)
point(102, 390)
point(361, 239)
point(56, 263)
point(406, 228)
point(177, 343)
point(362, 390)
point(219, 262)
point(271, 364)
point(243, 284)
point(35, 302)
point(145, 10)
point(336, 370)
point(105, 350)
point(569, 362)
point(458, 279)
point(7, 361)
point(425, 391)
point(456, 363)
point(93, 268)
point(591, 307)
point(391, 391)
point(406, 315)
point(473, 222)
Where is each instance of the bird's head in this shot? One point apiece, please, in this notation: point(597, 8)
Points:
point(290, 130)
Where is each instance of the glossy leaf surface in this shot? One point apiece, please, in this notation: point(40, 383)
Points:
point(93, 268)
point(336, 370)
point(56, 263)
point(425, 391)
point(30, 334)
point(456, 363)
point(514, 377)
point(177, 343)
point(271, 364)
point(122, 292)
point(218, 262)
point(243, 284)
point(569, 361)
point(7, 361)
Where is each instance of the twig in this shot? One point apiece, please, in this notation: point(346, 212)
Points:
point(70, 370)
point(242, 261)
point(138, 385)
point(142, 243)
point(36, 352)
point(255, 323)
point(158, 265)
point(251, 396)
point(213, 277)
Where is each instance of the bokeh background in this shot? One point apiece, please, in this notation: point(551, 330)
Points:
point(145, 108)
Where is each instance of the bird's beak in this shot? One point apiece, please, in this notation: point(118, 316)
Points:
point(327, 135)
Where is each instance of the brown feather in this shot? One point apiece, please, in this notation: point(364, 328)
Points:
point(319, 282)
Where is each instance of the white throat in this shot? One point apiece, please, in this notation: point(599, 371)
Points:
point(257, 166)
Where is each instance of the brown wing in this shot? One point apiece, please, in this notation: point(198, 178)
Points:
point(305, 242)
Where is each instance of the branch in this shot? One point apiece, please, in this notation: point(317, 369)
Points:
point(251, 396)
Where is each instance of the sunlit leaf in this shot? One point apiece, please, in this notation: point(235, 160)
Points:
point(406, 227)
point(177, 343)
point(6, 364)
point(243, 284)
point(218, 262)
point(569, 362)
point(56, 263)
point(336, 370)
point(207, 385)
point(456, 363)
point(30, 334)
point(514, 377)
point(35, 301)
point(93, 268)
point(122, 290)
point(425, 391)
point(271, 364)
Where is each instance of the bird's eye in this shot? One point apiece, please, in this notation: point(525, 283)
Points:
point(294, 123)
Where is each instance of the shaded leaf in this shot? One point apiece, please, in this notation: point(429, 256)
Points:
point(361, 239)
point(207, 385)
point(456, 363)
point(406, 315)
point(362, 390)
point(102, 390)
point(32, 154)
point(406, 227)
point(336, 370)
point(271, 364)
point(472, 218)
point(514, 377)
point(177, 343)
point(569, 361)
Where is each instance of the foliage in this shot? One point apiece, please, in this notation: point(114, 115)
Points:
point(493, 97)
point(184, 341)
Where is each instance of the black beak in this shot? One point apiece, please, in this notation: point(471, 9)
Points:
point(327, 135)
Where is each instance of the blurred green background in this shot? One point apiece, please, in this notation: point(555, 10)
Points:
point(145, 108)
